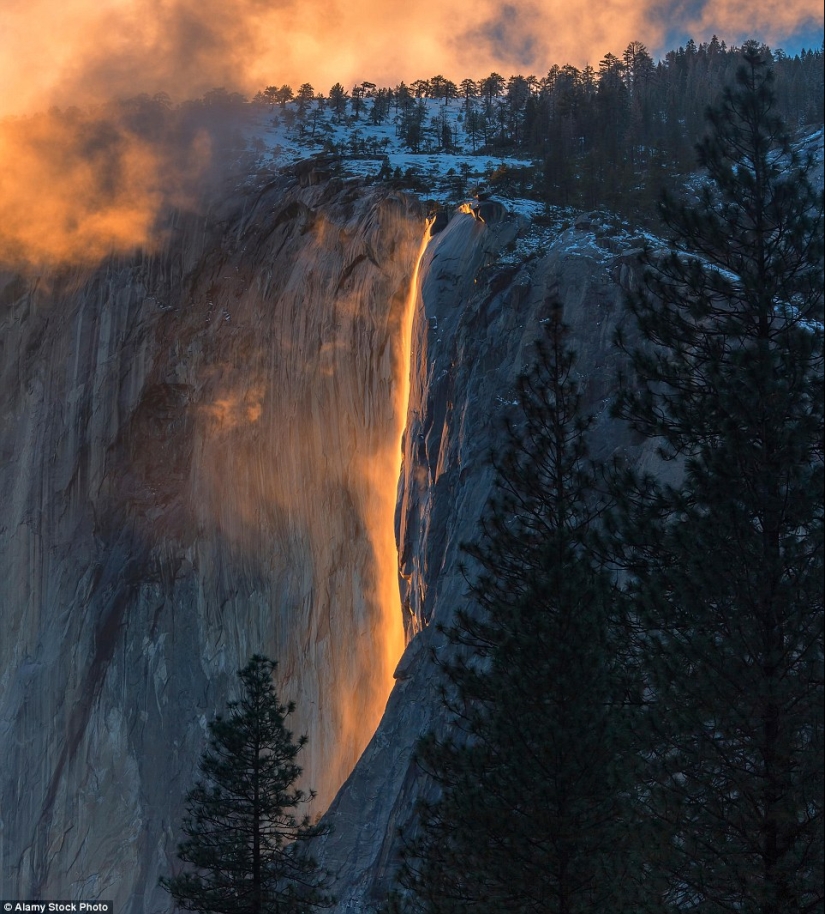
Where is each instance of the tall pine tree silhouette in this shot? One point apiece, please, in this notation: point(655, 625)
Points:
point(243, 841)
point(726, 566)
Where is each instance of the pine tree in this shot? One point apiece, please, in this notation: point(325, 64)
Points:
point(726, 565)
point(242, 839)
point(338, 100)
point(532, 788)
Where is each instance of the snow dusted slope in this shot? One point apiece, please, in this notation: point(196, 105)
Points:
point(280, 137)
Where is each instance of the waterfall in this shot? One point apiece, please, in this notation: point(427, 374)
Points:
point(384, 537)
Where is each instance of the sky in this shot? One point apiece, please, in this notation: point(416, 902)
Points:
point(79, 51)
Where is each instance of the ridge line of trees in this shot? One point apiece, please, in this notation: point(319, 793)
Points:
point(612, 135)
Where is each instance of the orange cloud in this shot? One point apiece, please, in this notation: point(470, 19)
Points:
point(77, 51)
point(80, 52)
point(72, 189)
point(77, 185)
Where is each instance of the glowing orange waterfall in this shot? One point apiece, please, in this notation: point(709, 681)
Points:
point(386, 549)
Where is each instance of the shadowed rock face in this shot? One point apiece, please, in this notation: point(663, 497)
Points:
point(193, 449)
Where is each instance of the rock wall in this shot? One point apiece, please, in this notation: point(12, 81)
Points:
point(196, 448)
point(198, 461)
point(481, 305)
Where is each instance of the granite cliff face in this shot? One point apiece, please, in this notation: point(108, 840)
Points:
point(483, 297)
point(198, 461)
point(199, 454)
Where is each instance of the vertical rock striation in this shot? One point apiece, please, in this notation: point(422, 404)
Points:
point(193, 447)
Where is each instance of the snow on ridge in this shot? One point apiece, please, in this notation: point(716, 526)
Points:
point(281, 137)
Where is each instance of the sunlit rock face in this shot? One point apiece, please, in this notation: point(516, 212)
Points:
point(480, 309)
point(195, 447)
